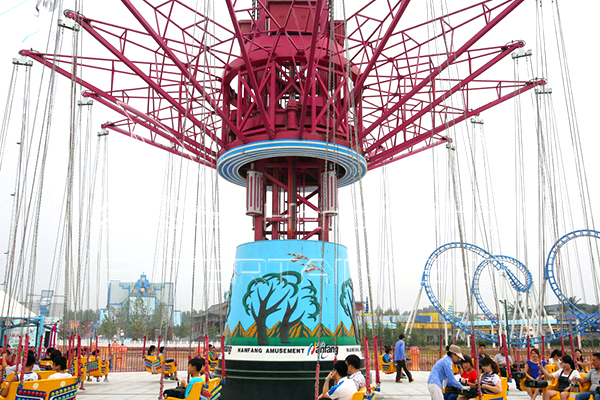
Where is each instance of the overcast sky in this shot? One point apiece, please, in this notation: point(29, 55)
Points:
point(137, 171)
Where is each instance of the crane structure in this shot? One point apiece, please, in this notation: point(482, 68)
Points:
point(292, 101)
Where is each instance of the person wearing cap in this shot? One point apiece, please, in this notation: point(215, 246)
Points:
point(442, 370)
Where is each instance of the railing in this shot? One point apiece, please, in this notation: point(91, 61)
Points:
point(130, 359)
point(423, 358)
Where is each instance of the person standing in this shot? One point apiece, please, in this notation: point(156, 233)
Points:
point(400, 358)
point(442, 371)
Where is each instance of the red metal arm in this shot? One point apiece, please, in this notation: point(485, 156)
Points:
point(434, 73)
point(185, 71)
point(385, 157)
point(131, 65)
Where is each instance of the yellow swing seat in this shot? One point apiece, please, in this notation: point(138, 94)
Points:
point(386, 368)
point(584, 387)
point(498, 396)
point(73, 370)
point(363, 395)
point(45, 363)
point(210, 390)
point(43, 389)
point(95, 367)
point(153, 365)
point(212, 364)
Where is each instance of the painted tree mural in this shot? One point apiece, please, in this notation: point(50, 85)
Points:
point(306, 301)
point(347, 303)
point(272, 292)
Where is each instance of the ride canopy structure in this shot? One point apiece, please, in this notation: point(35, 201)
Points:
point(291, 99)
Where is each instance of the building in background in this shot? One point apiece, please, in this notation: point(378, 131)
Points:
point(143, 295)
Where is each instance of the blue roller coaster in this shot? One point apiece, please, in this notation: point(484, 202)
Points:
point(500, 262)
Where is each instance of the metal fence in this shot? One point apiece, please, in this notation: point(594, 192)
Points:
point(130, 359)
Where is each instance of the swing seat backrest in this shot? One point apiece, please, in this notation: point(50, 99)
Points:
point(211, 391)
point(45, 389)
point(498, 396)
point(362, 394)
point(386, 368)
point(585, 387)
point(42, 375)
point(95, 367)
point(212, 364)
point(154, 365)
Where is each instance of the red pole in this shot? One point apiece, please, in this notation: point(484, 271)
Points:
point(577, 342)
point(475, 359)
point(162, 372)
point(223, 374)
point(144, 349)
point(15, 357)
point(78, 358)
point(69, 350)
point(3, 351)
point(377, 379)
point(543, 348)
point(528, 348)
point(367, 365)
point(25, 354)
point(572, 348)
point(455, 340)
point(508, 372)
point(39, 353)
point(206, 364)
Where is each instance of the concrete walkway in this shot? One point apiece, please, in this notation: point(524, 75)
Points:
point(144, 386)
point(418, 389)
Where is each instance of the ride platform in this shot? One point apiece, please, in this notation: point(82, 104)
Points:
point(143, 386)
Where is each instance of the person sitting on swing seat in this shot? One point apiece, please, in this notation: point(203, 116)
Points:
point(161, 354)
point(151, 350)
point(196, 369)
point(534, 372)
point(592, 377)
point(500, 359)
point(354, 374)
point(48, 356)
point(28, 375)
point(17, 367)
point(567, 375)
point(59, 366)
point(555, 358)
point(467, 378)
point(388, 356)
point(490, 379)
point(344, 388)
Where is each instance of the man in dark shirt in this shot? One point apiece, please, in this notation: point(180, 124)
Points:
point(482, 354)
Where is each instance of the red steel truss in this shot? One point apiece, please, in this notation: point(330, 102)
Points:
point(199, 86)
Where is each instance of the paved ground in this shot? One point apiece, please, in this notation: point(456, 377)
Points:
point(418, 388)
point(144, 386)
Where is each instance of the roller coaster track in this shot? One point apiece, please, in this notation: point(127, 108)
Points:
point(498, 262)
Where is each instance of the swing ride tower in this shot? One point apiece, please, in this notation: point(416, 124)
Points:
point(292, 99)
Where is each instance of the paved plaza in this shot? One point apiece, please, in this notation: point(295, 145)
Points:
point(142, 385)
